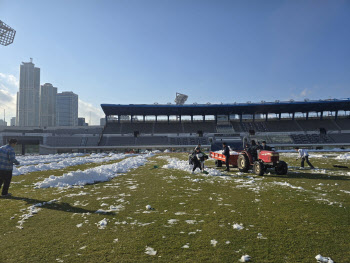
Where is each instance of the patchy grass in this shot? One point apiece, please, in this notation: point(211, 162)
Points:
point(288, 218)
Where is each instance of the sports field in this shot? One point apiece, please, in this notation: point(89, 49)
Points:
point(150, 208)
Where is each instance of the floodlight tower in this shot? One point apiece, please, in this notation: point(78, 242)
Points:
point(7, 34)
point(180, 98)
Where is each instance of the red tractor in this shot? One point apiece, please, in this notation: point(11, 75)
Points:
point(244, 161)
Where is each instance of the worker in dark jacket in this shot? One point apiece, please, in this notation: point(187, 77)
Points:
point(197, 159)
point(7, 159)
point(253, 150)
point(265, 147)
point(226, 152)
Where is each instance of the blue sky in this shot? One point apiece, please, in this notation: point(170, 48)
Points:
point(130, 52)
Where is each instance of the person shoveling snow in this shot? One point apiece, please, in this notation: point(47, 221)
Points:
point(197, 158)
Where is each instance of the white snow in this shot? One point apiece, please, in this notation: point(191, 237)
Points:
point(102, 224)
point(324, 259)
point(245, 258)
point(175, 163)
point(150, 251)
point(213, 242)
point(288, 185)
point(97, 174)
point(238, 226)
point(66, 162)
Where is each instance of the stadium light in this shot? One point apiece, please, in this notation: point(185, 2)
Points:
point(180, 98)
point(7, 34)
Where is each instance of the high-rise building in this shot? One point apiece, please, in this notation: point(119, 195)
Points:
point(13, 121)
point(67, 109)
point(81, 122)
point(27, 113)
point(47, 109)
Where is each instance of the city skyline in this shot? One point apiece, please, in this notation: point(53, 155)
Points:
point(135, 52)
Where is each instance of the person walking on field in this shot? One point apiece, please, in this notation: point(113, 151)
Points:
point(226, 152)
point(304, 155)
point(7, 159)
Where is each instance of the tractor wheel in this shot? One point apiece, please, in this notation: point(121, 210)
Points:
point(281, 168)
point(218, 163)
point(258, 168)
point(243, 163)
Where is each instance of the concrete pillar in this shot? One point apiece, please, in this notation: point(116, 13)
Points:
point(307, 116)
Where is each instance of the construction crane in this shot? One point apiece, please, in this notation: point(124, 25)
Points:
point(7, 34)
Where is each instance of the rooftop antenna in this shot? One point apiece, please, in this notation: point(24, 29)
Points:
point(7, 34)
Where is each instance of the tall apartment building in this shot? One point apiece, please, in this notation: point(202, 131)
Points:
point(67, 109)
point(27, 112)
point(47, 107)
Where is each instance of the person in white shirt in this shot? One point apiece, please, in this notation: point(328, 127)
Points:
point(304, 155)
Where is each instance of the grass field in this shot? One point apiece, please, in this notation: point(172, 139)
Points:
point(195, 218)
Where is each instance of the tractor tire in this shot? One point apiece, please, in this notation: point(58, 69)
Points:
point(243, 163)
point(218, 163)
point(281, 168)
point(258, 168)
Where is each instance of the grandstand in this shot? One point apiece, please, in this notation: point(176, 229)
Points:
point(314, 124)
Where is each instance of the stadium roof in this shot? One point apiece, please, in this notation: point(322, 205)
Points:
point(225, 109)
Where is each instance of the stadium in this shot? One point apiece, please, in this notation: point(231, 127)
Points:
point(322, 124)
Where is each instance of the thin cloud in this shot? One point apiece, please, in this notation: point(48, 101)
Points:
point(9, 82)
point(86, 110)
point(7, 103)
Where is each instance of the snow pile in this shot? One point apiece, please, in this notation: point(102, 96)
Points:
point(174, 163)
point(213, 242)
point(238, 226)
point(97, 174)
point(36, 159)
point(324, 259)
point(167, 151)
point(345, 156)
point(102, 224)
point(245, 258)
point(66, 163)
point(150, 251)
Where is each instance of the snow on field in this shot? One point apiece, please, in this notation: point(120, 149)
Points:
point(324, 259)
point(66, 162)
point(36, 159)
point(345, 156)
point(150, 251)
point(245, 258)
point(175, 163)
point(288, 185)
point(238, 226)
point(97, 174)
point(31, 211)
